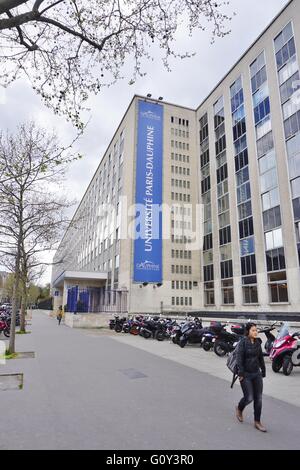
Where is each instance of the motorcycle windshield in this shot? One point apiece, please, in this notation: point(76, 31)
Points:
point(284, 331)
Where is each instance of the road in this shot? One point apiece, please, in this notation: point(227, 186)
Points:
point(91, 390)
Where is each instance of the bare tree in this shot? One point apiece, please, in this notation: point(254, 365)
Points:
point(71, 48)
point(32, 215)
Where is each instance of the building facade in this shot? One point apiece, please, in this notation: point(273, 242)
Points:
point(228, 177)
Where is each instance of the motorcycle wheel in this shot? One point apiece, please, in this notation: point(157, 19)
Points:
point(160, 336)
point(6, 333)
point(146, 334)
point(182, 343)
point(118, 329)
point(220, 350)
point(287, 366)
point(276, 365)
point(175, 341)
point(206, 346)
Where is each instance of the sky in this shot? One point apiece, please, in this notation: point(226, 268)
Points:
point(188, 83)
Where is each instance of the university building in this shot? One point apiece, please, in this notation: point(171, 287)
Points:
point(197, 209)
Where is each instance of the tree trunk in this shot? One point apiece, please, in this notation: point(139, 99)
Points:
point(23, 313)
point(15, 301)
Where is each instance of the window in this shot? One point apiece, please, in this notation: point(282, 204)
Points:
point(222, 173)
point(295, 188)
point(268, 180)
point(240, 144)
point(259, 79)
point(250, 294)
point(261, 94)
point(221, 159)
point(205, 185)
point(209, 293)
point(223, 188)
point(226, 270)
point(265, 144)
point(275, 260)
point(245, 210)
point(292, 125)
point(204, 158)
point(248, 265)
point(208, 258)
point(224, 219)
point(208, 242)
point(291, 107)
point(225, 236)
point(262, 110)
point(272, 218)
point(239, 129)
point(221, 145)
point(208, 272)
point(288, 51)
point(228, 293)
point(247, 246)
point(246, 228)
point(241, 160)
point(288, 88)
point(278, 287)
point(242, 176)
point(225, 252)
point(267, 162)
point(263, 128)
point(274, 239)
point(270, 199)
point(223, 204)
point(243, 193)
point(288, 70)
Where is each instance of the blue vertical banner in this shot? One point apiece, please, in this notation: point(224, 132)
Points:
point(149, 168)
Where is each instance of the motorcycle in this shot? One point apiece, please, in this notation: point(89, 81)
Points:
point(211, 335)
point(285, 352)
point(270, 337)
point(119, 324)
point(227, 342)
point(5, 328)
point(191, 334)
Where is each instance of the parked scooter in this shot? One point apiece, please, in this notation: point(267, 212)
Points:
point(227, 342)
point(270, 337)
point(191, 333)
point(285, 353)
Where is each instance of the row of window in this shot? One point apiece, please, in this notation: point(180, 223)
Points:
point(182, 254)
point(180, 145)
point(181, 269)
point(182, 285)
point(178, 157)
point(181, 197)
point(180, 170)
point(182, 301)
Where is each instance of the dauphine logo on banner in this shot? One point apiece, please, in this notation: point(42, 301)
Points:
point(150, 115)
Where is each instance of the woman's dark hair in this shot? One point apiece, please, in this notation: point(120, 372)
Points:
point(248, 328)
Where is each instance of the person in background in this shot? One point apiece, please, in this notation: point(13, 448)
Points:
point(251, 371)
point(60, 315)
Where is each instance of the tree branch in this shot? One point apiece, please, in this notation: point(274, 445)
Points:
point(6, 5)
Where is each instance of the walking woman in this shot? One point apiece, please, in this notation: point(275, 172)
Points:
point(251, 371)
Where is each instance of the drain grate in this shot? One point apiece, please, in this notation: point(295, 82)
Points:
point(11, 382)
point(133, 373)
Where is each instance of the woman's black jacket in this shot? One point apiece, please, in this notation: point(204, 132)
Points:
point(250, 357)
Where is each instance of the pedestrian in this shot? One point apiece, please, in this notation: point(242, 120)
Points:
point(60, 315)
point(251, 371)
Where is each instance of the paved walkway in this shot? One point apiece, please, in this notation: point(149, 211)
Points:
point(90, 391)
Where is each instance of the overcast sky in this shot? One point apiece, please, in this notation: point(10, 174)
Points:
point(189, 82)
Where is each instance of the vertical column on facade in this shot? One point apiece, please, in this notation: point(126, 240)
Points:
point(223, 205)
point(270, 195)
point(287, 68)
point(246, 246)
point(208, 259)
